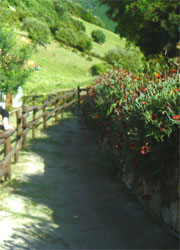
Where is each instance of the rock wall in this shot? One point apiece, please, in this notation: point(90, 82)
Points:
point(161, 195)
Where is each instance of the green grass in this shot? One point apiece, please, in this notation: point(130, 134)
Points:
point(62, 68)
point(112, 40)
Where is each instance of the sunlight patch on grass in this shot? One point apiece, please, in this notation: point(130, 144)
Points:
point(60, 68)
point(112, 40)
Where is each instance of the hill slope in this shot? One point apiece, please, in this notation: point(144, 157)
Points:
point(98, 10)
point(62, 67)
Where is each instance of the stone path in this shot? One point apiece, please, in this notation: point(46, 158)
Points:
point(61, 200)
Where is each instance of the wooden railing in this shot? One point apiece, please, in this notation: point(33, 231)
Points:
point(29, 118)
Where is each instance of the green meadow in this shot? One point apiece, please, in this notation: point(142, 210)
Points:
point(112, 40)
point(64, 67)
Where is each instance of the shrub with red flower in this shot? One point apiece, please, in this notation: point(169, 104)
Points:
point(144, 150)
point(176, 117)
point(141, 110)
point(153, 116)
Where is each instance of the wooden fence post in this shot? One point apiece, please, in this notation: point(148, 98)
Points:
point(78, 90)
point(7, 148)
point(73, 105)
point(56, 106)
point(19, 130)
point(62, 112)
point(44, 118)
point(24, 141)
point(34, 118)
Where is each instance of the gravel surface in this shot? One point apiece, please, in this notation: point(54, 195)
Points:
point(62, 200)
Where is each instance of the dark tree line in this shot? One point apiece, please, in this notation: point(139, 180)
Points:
point(153, 25)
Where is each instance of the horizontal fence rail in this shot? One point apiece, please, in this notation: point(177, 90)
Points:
point(29, 118)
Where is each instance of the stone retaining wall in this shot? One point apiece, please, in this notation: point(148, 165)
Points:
point(161, 195)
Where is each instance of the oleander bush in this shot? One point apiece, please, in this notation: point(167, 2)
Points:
point(137, 119)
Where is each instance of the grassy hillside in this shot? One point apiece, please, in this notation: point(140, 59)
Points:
point(61, 67)
point(98, 10)
point(112, 40)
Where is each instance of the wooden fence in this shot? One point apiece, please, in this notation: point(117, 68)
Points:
point(27, 118)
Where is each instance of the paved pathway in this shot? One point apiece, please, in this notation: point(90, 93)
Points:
point(62, 200)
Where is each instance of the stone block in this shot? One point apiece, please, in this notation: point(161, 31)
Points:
point(146, 188)
point(156, 203)
point(174, 215)
point(129, 179)
point(165, 213)
point(178, 189)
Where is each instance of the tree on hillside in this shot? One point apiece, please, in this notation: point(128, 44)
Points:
point(13, 59)
point(151, 25)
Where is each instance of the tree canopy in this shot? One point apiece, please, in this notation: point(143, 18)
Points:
point(13, 59)
point(151, 25)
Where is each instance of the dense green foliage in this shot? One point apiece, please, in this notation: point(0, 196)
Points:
point(38, 31)
point(98, 69)
point(128, 58)
point(136, 119)
point(77, 10)
point(84, 42)
point(67, 36)
point(13, 59)
point(99, 11)
point(152, 25)
point(98, 36)
point(42, 18)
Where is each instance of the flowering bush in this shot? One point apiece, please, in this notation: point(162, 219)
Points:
point(137, 118)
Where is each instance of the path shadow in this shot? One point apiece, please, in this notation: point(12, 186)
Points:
point(85, 209)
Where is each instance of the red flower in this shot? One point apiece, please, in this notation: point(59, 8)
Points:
point(176, 117)
point(153, 116)
point(174, 70)
point(132, 146)
point(118, 146)
point(144, 102)
point(166, 105)
point(98, 117)
point(118, 101)
point(144, 150)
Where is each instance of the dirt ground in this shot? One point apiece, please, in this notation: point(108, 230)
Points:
point(59, 198)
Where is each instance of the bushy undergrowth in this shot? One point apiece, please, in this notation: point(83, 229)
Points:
point(130, 59)
point(67, 36)
point(137, 119)
point(38, 30)
point(98, 69)
point(84, 42)
point(42, 18)
point(98, 36)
